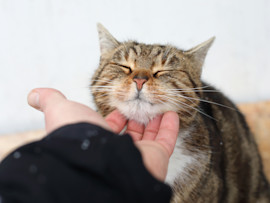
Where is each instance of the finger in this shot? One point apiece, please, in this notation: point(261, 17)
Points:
point(168, 131)
point(135, 130)
point(47, 100)
point(40, 98)
point(116, 121)
point(151, 130)
point(59, 111)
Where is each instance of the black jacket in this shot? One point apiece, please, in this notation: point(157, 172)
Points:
point(79, 163)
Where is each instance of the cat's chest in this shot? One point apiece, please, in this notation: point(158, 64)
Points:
point(181, 159)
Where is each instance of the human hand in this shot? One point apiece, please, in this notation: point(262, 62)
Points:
point(59, 111)
point(156, 141)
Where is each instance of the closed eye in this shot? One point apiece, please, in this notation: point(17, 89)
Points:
point(123, 66)
point(158, 73)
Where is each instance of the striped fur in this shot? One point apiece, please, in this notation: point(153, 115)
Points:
point(216, 158)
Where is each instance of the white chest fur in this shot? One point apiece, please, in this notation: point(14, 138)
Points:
point(181, 161)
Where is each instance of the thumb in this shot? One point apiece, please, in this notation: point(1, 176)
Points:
point(59, 111)
point(50, 102)
point(42, 98)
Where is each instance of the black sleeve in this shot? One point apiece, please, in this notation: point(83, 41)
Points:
point(79, 163)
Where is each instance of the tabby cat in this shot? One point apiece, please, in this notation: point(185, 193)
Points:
point(215, 158)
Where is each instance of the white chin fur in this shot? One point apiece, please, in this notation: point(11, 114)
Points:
point(140, 111)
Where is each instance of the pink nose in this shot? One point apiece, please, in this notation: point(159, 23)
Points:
point(139, 82)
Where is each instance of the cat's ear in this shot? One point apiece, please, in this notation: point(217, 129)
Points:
point(198, 54)
point(106, 41)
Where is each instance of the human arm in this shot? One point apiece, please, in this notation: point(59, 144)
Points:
point(71, 160)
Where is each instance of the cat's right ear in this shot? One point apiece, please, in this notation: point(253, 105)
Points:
point(197, 55)
point(107, 42)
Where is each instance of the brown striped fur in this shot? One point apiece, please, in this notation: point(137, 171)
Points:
point(222, 160)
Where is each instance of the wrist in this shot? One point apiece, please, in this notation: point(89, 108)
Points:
point(155, 158)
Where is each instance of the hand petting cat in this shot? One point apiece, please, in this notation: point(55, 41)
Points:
point(155, 141)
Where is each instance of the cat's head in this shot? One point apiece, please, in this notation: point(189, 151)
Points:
point(143, 80)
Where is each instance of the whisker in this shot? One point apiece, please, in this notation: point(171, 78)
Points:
point(172, 93)
point(195, 91)
point(200, 111)
point(195, 88)
point(190, 99)
point(103, 90)
point(174, 102)
point(107, 81)
point(210, 102)
point(103, 86)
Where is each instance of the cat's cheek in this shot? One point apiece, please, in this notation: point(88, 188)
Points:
point(123, 93)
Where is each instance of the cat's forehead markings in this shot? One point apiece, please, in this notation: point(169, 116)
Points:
point(138, 50)
point(173, 61)
point(131, 55)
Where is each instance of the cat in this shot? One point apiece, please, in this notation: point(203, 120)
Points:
point(215, 158)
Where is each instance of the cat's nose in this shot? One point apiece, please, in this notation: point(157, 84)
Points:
point(140, 80)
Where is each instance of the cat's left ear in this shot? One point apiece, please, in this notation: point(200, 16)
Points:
point(107, 42)
point(197, 54)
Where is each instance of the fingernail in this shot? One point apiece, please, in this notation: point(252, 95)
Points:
point(33, 100)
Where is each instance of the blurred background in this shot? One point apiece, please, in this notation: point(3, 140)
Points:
point(54, 43)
